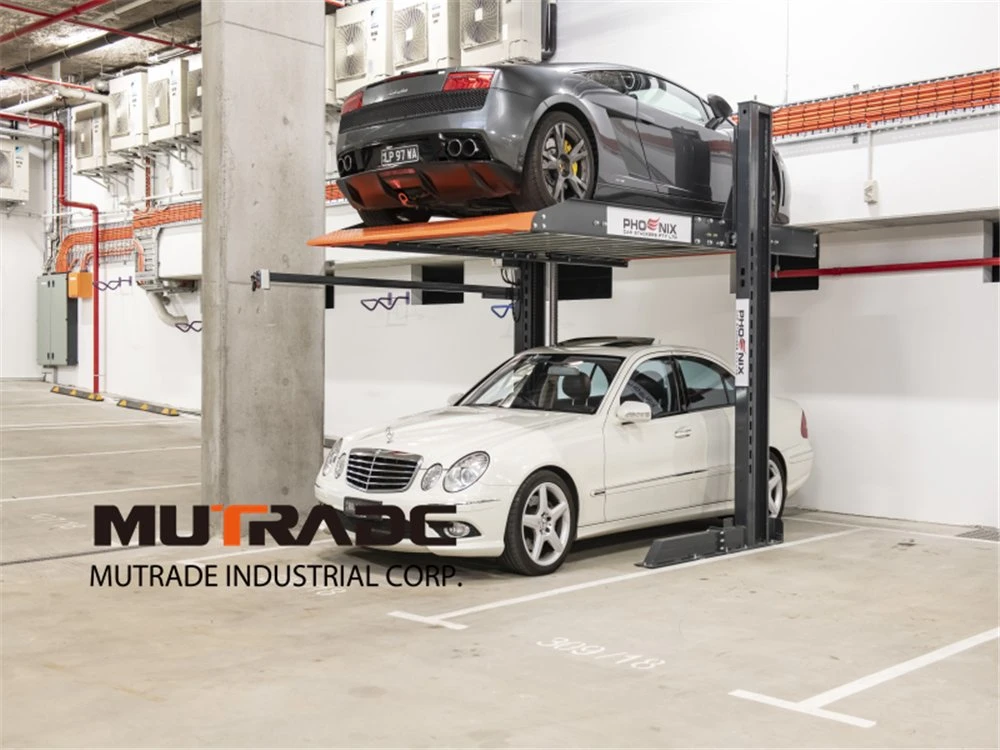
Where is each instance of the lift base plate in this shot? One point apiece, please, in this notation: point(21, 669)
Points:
point(712, 542)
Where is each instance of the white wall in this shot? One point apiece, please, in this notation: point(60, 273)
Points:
point(22, 254)
point(898, 374)
point(783, 50)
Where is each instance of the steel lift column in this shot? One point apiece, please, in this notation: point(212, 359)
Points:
point(752, 204)
point(529, 306)
point(751, 222)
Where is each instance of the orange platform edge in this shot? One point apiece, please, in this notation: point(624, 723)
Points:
point(479, 226)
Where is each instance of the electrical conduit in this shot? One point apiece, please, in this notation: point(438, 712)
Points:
point(96, 228)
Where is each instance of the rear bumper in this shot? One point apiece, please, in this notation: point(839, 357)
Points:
point(435, 184)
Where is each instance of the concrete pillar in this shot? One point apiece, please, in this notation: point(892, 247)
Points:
point(264, 158)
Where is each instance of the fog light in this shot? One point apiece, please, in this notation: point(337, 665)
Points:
point(457, 530)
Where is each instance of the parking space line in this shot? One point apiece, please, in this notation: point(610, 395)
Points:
point(43, 405)
point(815, 705)
point(83, 425)
point(892, 529)
point(100, 492)
point(428, 620)
point(103, 453)
point(799, 708)
point(438, 619)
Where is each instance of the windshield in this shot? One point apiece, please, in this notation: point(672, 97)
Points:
point(549, 382)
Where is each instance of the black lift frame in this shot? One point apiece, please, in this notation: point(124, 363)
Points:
point(592, 233)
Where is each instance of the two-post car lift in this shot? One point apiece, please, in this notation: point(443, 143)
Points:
point(599, 234)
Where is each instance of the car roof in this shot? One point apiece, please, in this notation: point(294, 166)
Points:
point(623, 348)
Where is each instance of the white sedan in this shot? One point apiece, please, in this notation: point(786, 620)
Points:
point(563, 443)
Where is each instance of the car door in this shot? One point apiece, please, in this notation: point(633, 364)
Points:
point(653, 467)
point(709, 399)
point(681, 152)
point(622, 159)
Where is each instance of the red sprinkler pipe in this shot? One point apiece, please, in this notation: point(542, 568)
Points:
point(931, 265)
point(52, 81)
point(94, 210)
point(76, 10)
point(99, 27)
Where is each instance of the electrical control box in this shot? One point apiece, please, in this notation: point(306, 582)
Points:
point(57, 317)
point(80, 285)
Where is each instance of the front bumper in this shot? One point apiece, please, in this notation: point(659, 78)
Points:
point(484, 507)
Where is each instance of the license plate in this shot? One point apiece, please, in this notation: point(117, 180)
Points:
point(393, 155)
point(351, 505)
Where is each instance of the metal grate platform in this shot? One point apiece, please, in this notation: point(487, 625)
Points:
point(982, 532)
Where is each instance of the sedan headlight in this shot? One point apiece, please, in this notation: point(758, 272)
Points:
point(466, 471)
point(331, 456)
point(431, 476)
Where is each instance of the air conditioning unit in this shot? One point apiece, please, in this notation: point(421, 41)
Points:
point(88, 138)
point(167, 101)
point(14, 178)
point(194, 93)
point(362, 53)
point(494, 31)
point(127, 112)
point(425, 35)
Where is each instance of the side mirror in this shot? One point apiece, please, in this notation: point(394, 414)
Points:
point(633, 411)
point(721, 110)
point(454, 398)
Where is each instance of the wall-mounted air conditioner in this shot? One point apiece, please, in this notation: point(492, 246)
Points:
point(194, 93)
point(362, 53)
point(494, 31)
point(424, 34)
point(167, 101)
point(14, 177)
point(88, 138)
point(127, 112)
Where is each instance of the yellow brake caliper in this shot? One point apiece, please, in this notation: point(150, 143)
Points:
point(567, 147)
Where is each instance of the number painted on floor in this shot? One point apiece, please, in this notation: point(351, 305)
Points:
point(579, 648)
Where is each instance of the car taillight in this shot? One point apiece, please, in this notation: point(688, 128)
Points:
point(804, 426)
point(463, 80)
point(352, 102)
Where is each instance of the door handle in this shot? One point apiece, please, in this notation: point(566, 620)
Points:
point(682, 432)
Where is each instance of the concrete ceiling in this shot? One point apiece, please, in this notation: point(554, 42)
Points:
point(120, 53)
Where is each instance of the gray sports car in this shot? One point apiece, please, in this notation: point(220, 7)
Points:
point(472, 141)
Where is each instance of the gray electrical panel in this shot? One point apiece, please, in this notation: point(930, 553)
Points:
point(56, 322)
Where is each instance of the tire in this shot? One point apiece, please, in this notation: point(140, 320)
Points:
point(387, 217)
point(520, 554)
point(546, 162)
point(777, 485)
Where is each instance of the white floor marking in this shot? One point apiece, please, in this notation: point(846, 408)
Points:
point(102, 453)
point(99, 492)
point(815, 705)
point(892, 529)
point(83, 425)
point(437, 619)
point(817, 712)
point(40, 405)
point(428, 620)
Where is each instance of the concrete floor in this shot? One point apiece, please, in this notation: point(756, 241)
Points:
point(845, 603)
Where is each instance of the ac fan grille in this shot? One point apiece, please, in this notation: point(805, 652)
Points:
point(480, 22)
point(120, 124)
point(159, 102)
point(349, 54)
point(409, 34)
point(194, 93)
point(6, 171)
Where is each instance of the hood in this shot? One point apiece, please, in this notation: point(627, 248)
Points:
point(452, 432)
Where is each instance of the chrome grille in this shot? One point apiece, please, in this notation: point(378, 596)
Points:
point(378, 470)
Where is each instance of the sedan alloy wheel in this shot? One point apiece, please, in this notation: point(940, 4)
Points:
point(541, 525)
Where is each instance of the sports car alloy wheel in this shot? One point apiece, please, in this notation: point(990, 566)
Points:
point(545, 524)
point(566, 162)
point(775, 488)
